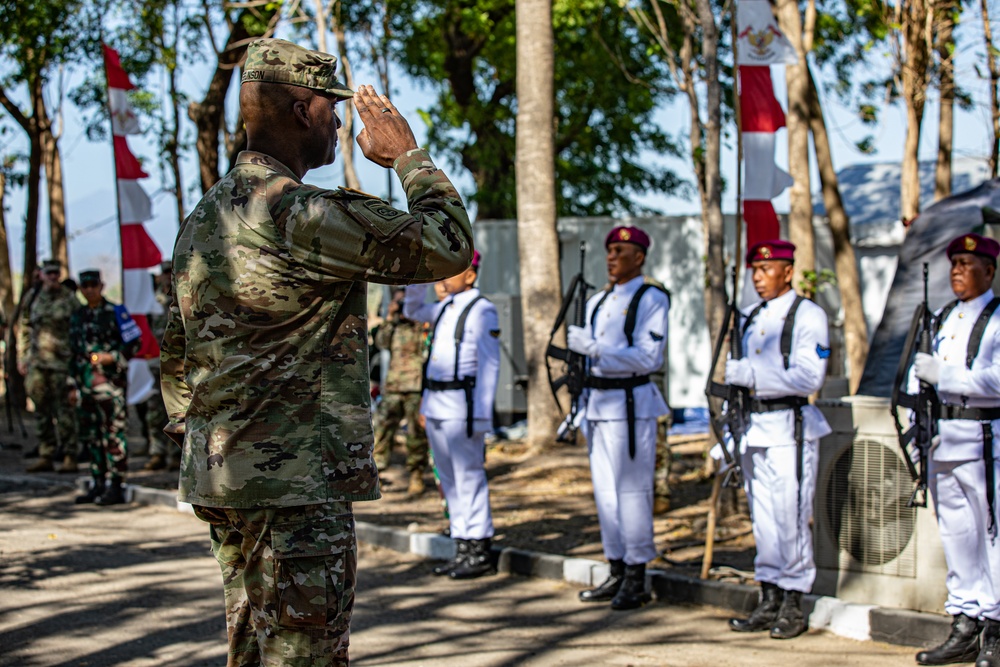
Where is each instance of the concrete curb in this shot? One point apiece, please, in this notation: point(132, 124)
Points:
point(855, 621)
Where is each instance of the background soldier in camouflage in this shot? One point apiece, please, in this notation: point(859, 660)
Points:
point(401, 393)
point(161, 453)
point(43, 351)
point(98, 368)
point(265, 359)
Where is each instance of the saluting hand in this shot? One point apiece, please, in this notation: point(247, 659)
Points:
point(387, 135)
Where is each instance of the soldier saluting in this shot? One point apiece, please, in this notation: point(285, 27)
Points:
point(964, 368)
point(264, 361)
point(623, 339)
point(786, 344)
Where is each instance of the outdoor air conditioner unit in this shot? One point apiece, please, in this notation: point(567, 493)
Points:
point(870, 547)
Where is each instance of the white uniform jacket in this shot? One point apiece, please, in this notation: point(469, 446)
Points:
point(479, 356)
point(615, 359)
point(978, 387)
point(804, 376)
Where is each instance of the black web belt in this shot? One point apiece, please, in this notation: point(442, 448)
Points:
point(985, 417)
point(628, 384)
point(796, 403)
point(466, 384)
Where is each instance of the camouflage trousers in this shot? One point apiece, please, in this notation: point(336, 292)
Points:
point(56, 418)
point(156, 419)
point(101, 415)
point(288, 575)
point(661, 474)
point(391, 411)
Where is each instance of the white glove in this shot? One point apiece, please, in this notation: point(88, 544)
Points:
point(927, 368)
point(580, 342)
point(739, 372)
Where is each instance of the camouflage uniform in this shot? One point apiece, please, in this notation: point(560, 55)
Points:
point(264, 369)
point(44, 346)
point(101, 411)
point(156, 412)
point(401, 396)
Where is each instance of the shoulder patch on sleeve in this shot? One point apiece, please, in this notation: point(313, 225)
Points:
point(656, 336)
point(495, 333)
point(822, 352)
point(382, 219)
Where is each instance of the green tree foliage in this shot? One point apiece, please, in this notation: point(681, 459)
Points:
point(604, 124)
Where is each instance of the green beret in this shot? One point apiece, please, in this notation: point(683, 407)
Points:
point(90, 276)
point(279, 61)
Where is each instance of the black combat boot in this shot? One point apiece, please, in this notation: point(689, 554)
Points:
point(461, 551)
point(114, 494)
point(632, 593)
point(609, 589)
point(962, 645)
point(96, 489)
point(764, 615)
point(479, 562)
point(791, 622)
point(989, 656)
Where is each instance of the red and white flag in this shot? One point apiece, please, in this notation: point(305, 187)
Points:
point(759, 40)
point(139, 251)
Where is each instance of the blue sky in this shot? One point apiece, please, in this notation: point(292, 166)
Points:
point(89, 170)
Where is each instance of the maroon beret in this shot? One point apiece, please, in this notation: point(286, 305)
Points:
point(975, 244)
point(775, 249)
point(622, 234)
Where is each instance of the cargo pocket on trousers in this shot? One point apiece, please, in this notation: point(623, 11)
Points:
point(313, 573)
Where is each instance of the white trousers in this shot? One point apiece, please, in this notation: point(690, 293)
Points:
point(958, 489)
point(781, 515)
point(623, 488)
point(460, 463)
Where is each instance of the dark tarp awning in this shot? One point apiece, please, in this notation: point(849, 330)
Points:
point(925, 241)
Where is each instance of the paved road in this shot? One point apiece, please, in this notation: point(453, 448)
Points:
point(137, 586)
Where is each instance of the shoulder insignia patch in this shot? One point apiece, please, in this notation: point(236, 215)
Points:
point(822, 352)
point(495, 333)
point(383, 220)
point(655, 336)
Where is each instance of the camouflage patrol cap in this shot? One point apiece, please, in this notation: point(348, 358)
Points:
point(280, 61)
point(90, 276)
point(51, 266)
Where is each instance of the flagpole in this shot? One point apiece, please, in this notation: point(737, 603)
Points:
point(114, 161)
point(737, 112)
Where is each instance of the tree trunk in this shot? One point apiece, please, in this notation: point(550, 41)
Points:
point(209, 114)
point(945, 44)
point(800, 221)
point(57, 197)
point(538, 242)
point(715, 266)
point(845, 263)
point(6, 277)
point(991, 59)
point(346, 132)
point(914, 65)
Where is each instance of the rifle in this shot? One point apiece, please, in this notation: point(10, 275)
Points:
point(736, 416)
point(576, 364)
point(924, 403)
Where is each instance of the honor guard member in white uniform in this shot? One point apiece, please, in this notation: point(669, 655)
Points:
point(460, 381)
point(786, 345)
point(962, 470)
point(624, 337)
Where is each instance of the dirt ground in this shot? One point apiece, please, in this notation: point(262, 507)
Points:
point(541, 503)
